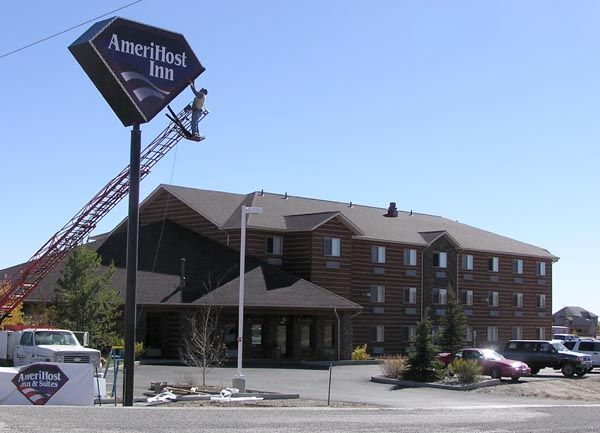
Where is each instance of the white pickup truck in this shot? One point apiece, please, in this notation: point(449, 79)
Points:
point(49, 345)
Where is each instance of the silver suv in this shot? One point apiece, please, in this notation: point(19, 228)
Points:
point(589, 347)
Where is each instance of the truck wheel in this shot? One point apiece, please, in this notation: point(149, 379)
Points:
point(515, 378)
point(568, 369)
point(581, 373)
point(535, 370)
point(496, 373)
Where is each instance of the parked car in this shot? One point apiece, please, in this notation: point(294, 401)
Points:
point(564, 337)
point(538, 354)
point(491, 362)
point(589, 347)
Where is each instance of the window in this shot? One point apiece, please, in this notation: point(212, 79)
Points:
point(378, 254)
point(409, 333)
point(517, 266)
point(540, 268)
point(331, 247)
point(410, 257)
point(517, 333)
point(541, 300)
point(467, 262)
point(492, 333)
point(305, 335)
point(256, 336)
point(440, 259)
point(329, 335)
point(377, 293)
point(493, 299)
point(377, 333)
point(274, 245)
point(468, 297)
point(468, 333)
point(440, 296)
point(26, 339)
point(410, 295)
point(518, 300)
point(436, 332)
point(540, 333)
point(493, 264)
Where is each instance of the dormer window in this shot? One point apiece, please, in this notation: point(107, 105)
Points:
point(331, 247)
point(440, 259)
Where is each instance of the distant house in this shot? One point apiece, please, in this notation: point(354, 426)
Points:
point(578, 320)
point(322, 277)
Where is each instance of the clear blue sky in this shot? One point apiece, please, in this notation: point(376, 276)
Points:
point(482, 112)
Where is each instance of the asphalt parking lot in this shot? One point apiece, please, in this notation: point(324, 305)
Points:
point(348, 384)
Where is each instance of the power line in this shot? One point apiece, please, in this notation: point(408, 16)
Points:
point(69, 29)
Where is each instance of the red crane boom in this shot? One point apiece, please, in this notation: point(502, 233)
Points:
point(21, 283)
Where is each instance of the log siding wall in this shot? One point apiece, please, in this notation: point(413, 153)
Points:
point(353, 274)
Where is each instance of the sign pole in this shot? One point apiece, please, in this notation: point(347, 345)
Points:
point(132, 263)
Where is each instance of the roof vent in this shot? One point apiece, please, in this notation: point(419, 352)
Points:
point(392, 211)
point(285, 196)
point(350, 204)
point(411, 212)
point(262, 192)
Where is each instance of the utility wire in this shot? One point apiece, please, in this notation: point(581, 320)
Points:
point(68, 30)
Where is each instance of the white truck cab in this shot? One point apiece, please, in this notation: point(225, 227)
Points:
point(45, 345)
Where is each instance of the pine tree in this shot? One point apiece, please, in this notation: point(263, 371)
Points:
point(453, 323)
point(423, 363)
point(85, 301)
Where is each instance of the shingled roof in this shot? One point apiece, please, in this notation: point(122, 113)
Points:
point(286, 213)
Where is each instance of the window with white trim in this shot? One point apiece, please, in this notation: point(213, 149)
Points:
point(518, 300)
point(410, 257)
point(274, 245)
point(410, 295)
point(440, 259)
point(377, 333)
point(540, 333)
point(440, 296)
point(331, 247)
point(409, 333)
point(377, 293)
point(492, 333)
point(540, 268)
point(468, 299)
point(377, 254)
point(540, 300)
point(493, 264)
point(517, 332)
point(517, 266)
point(467, 262)
point(468, 333)
point(493, 299)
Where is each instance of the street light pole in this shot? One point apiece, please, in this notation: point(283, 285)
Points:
point(239, 380)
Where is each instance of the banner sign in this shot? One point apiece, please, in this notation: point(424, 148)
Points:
point(47, 384)
point(138, 69)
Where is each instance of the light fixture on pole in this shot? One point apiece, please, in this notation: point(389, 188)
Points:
point(239, 380)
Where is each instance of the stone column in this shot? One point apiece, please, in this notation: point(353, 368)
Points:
point(345, 336)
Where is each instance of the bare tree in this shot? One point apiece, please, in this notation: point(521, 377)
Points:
point(202, 344)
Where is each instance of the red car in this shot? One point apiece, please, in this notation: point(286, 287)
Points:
point(491, 363)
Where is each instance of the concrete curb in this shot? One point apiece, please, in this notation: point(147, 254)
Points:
point(413, 384)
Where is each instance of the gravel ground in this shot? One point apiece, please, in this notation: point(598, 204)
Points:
point(585, 388)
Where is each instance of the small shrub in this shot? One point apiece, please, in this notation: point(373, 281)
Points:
point(360, 353)
point(139, 347)
point(393, 366)
point(466, 371)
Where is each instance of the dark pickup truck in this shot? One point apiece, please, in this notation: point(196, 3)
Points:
point(538, 354)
